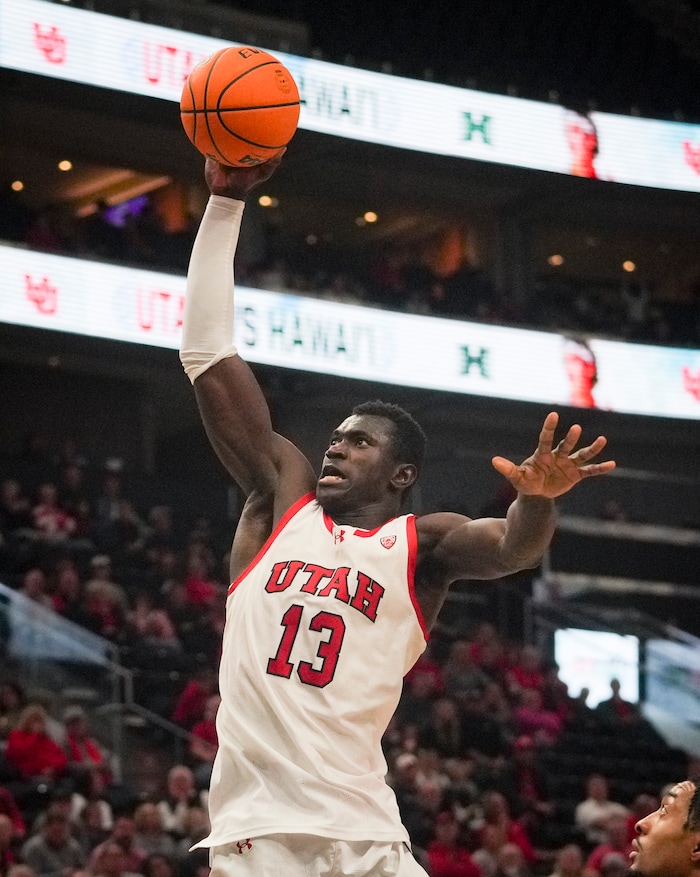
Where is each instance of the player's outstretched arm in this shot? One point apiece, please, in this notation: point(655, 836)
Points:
point(494, 547)
point(233, 408)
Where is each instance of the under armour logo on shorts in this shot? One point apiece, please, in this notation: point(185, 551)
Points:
point(244, 845)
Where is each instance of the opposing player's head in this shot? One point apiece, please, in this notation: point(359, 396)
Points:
point(373, 459)
point(668, 840)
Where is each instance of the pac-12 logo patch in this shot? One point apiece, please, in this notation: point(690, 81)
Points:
point(388, 541)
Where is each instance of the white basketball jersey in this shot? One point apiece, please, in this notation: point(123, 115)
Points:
point(320, 631)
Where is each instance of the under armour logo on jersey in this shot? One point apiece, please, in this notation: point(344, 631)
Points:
point(244, 845)
point(338, 536)
point(387, 541)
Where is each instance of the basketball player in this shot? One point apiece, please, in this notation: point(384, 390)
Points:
point(333, 592)
point(668, 840)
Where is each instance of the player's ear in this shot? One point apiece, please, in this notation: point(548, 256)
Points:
point(695, 855)
point(404, 476)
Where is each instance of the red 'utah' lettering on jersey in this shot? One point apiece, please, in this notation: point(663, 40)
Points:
point(320, 631)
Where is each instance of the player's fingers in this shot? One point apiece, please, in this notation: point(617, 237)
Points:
point(546, 437)
point(506, 467)
point(567, 444)
point(592, 450)
point(597, 468)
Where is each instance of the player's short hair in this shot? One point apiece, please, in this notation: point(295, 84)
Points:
point(409, 438)
point(692, 822)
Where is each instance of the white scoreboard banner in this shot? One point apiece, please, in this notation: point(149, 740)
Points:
point(125, 304)
point(116, 53)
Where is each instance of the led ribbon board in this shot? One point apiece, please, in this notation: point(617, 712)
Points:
point(95, 49)
point(65, 294)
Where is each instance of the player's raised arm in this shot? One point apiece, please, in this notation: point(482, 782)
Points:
point(233, 408)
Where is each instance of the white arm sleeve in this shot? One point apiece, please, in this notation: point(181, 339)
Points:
point(207, 325)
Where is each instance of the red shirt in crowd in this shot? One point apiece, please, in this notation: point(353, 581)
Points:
point(35, 754)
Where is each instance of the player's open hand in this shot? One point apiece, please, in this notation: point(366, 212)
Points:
point(239, 182)
point(552, 471)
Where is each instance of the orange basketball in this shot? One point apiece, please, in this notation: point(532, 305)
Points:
point(240, 106)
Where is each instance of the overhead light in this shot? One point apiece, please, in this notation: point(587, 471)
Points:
point(629, 266)
point(65, 165)
point(268, 201)
point(17, 186)
point(370, 216)
point(556, 260)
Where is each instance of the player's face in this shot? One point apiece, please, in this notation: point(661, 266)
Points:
point(358, 465)
point(663, 847)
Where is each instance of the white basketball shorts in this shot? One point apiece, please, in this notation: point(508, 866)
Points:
point(300, 855)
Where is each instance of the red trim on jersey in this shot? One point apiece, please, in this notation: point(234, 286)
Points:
point(412, 537)
point(283, 521)
point(364, 534)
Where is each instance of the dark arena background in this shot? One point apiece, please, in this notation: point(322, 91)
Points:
point(487, 213)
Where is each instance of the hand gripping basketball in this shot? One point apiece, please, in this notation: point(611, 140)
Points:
point(239, 182)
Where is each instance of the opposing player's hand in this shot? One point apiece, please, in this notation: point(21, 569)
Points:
point(239, 182)
point(552, 471)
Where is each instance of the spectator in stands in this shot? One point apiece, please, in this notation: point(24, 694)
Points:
point(94, 820)
point(85, 755)
point(496, 813)
point(526, 785)
point(51, 522)
point(463, 678)
point(617, 711)
point(420, 817)
point(150, 832)
point(35, 587)
point(181, 795)
point(447, 857)
point(54, 852)
point(462, 792)
point(107, 504)
point(568, 862)
point(614, 865)
point(488, 844)
point(486, 736)
point(616, 841)
point(532, 719)
point(443, 731)
point(10, 809)
point(205, 743)
point(149, 627)
point(200, 587)
point(106, 602)
point(162, 534)
point(32, 751)
point(430, 770)
point(511, 862)
point(192, 700)
point(8, 853)
point(123, 835)
point(526, 672)
point(555, 693)
point(12, 702)
point(67, 591)
point(592, 814)
point(419, 692)
point(110, 860)
point(160, 865)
